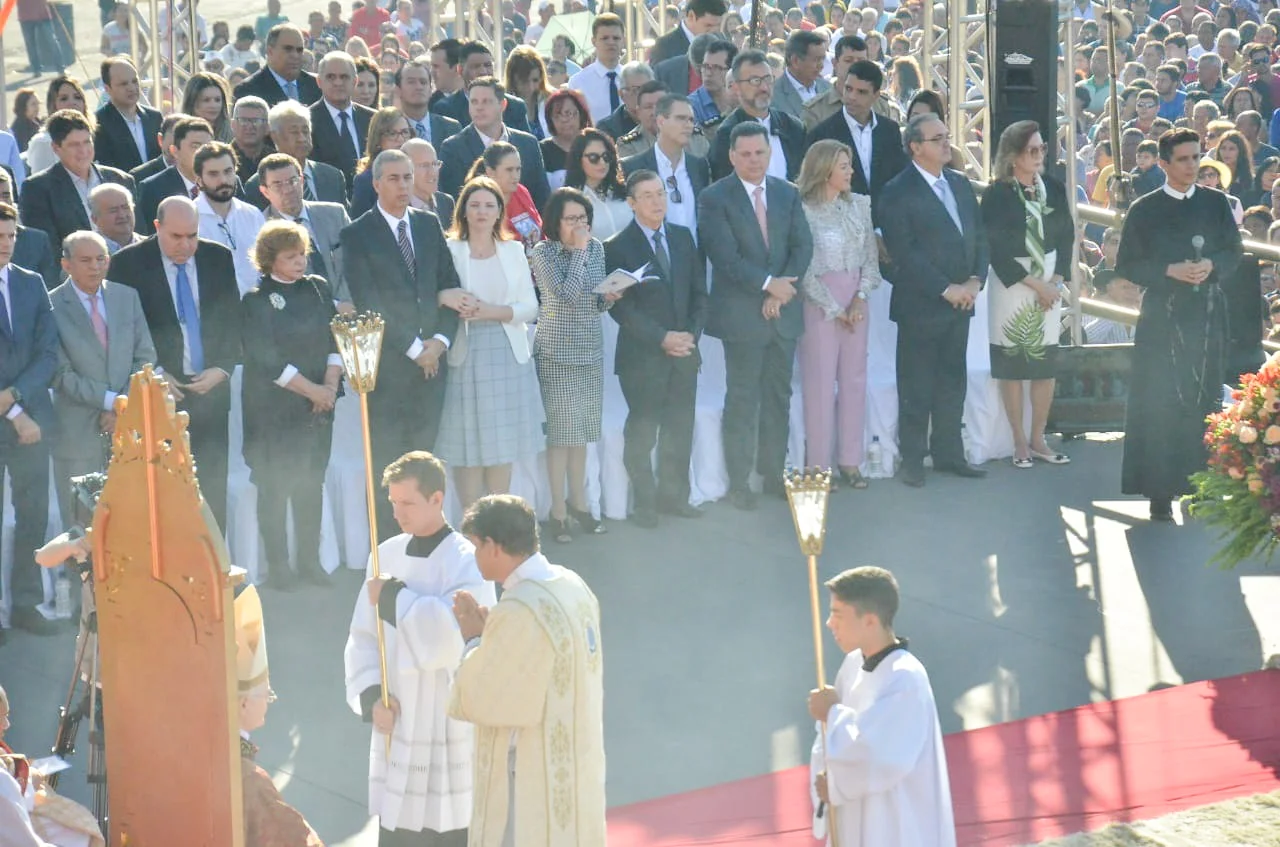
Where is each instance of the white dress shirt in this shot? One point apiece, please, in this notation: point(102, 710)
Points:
point(683, 213)
point(237, 232)
point(806, 94)
point(86, 300)
point(861, 141)
point(171, 274)
point(83, 187)
point(138, 133)
point(15, 409)
point(334, 113)
point(778, 157)
point(488, 142)
point(593, 82)
point(415, 349)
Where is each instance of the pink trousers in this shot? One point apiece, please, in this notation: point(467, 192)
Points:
point(833, 371)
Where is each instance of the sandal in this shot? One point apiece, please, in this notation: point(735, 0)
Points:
point(560, 530)
point(1023, 463)
point(853, 479)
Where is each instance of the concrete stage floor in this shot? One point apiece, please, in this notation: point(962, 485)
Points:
point(1025, 593)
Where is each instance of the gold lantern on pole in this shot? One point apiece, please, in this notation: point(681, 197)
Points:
point(359, 339)
point(807, 493)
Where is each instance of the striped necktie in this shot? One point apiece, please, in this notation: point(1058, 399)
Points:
point(406, 248)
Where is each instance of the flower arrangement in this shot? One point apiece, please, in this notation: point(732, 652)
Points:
point(1239, 492)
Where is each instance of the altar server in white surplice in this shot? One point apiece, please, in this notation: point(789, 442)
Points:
point(883, 770)
point(423, 798)
point(532, 683)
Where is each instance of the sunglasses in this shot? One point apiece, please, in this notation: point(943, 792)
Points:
point(597, 158)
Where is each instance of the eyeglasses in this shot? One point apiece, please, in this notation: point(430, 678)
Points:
point(944, 139)
point(709, 68)
point(757, 80)
point(398, 133)
point(597, 158)
point(574, 219)
point(280, 185)
point(1037, 149)
point(430, 166)
point(1146, 104)
point(674, 188)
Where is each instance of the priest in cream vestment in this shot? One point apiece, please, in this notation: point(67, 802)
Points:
point(882, 769)
point(531, 682)
point(423, 796)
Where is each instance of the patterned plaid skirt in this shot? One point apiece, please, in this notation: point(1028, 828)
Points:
point(492, 408)
point(572, 396)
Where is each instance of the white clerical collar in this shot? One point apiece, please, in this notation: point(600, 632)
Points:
point(535, 568)
point(1179, 195)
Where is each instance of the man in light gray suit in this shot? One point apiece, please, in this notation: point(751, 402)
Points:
point(802, 81)
point(280, 182)
point(103, 341)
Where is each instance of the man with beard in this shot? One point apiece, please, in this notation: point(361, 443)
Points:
point(232, 223)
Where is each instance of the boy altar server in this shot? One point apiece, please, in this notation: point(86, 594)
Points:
point(423, 798)
point(883, 770)
point(268, 820)
point(533, 687)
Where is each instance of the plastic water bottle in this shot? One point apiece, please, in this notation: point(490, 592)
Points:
point(62, 597)
point(875, 458)
point(968, 444)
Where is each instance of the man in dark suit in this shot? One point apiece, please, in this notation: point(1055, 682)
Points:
point(56, 200)
point(753, 81)
point(291, 134)
point(876, 141)
point(460, 152)
point(626, 117)
point(427, 195)
point(933, 229)
point(32, 251)
point(189, 295)
point(683, 175)
point(339, 127)
point(657, 361)
point(283, 78)
point(28, 362)
point(127, 130)
point(475, 61)
point(699, 16)
point(162, 160)
point(753, 229)
point(413, 92)
point(396, 263)
point(178, 180)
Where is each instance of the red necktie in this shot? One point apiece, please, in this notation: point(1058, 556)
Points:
point(195, 191)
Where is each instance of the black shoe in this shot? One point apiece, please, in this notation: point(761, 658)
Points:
point(316, 577)
point(587, 521)
point(558, 528)
point(680, 510)
point(34, 622)
point(1161, 510)
point(913, 475)
point(743, 499)
point(280, 579)
point(775, 488)
point(962, 469)
point(645, 518)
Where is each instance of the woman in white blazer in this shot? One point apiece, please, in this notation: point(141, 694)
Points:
point(492, 404)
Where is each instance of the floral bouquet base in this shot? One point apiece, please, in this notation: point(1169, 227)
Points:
point(1239, 491)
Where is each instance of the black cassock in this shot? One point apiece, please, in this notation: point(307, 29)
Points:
point(1180, 342)
point(285, 445)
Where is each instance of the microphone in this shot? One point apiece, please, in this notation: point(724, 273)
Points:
point(1197, 244)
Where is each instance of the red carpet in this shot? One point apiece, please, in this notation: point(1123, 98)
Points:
point(1027, 780)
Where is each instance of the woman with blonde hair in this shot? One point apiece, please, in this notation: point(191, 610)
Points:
point(492, 406)
point(292, 375)
point(388, 130)
point(833, 349)
point(526, 78)
point(206, 96)
point(1031, 234)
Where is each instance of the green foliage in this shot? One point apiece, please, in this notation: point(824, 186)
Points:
point(1228, 505)
point(1025, 332)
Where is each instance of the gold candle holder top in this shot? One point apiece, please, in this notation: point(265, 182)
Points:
point(359, 339)
point(807, 494)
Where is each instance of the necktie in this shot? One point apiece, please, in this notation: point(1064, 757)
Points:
point(189, 317)
point(315, 261)
point(5, 329)
point(406, 248)
point(944, 194)
point(760, 216)
point(291, 89)
point(421, 130)
point(308, 193)
point(614, 100)
point(660, 257)
point(344, 132)
point(195, 191)
point(99, 323)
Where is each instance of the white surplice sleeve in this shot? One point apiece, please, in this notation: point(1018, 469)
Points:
point(870, 752)
point(429, 638)
point(360, 657)
point(15, 822)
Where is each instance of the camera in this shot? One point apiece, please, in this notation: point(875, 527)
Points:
point(86, 490)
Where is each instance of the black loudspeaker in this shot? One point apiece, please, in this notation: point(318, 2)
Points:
point(1023, 51)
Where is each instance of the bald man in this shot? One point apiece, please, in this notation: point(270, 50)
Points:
point(188, 290)
point(427, 195)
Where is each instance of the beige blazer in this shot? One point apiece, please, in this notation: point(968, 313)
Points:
point(520, 296)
